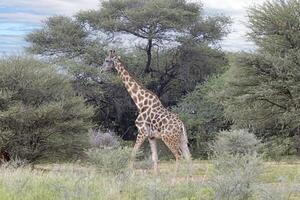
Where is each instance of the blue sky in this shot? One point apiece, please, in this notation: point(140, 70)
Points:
point(19, 17)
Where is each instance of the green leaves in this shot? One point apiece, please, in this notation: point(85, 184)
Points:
point(144, 19)
point(174, 52)
point(40, 115)
point(63, 37)
point(275, 25)
point(261, 89)
point(59, 35)
point(202, 115)
point(157, 20)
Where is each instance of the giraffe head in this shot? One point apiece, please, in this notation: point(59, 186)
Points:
point(110, 60)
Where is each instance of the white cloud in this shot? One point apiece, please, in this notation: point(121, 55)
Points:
point(21, 17)
point(67, 7)
point(236, 9)
point(34, 11)
point(18, 17)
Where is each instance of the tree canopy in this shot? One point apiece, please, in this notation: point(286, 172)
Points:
point(176, 49)
point(156, 21)
point(261, 90)
point(40, 114)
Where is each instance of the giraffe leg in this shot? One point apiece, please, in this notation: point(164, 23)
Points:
point(153, 146)
point(139, 141)
point(174, 146)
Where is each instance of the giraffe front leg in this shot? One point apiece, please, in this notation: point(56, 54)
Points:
point(139, 141)
point(153, 147)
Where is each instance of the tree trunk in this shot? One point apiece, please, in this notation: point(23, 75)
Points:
point(149, 56)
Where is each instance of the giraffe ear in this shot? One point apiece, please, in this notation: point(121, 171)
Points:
point(119, 57)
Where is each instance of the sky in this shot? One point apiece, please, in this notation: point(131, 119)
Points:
point(20, 17)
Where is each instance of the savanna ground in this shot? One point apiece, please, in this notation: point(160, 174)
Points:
point(278, 180)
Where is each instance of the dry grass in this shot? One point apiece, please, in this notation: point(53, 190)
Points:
point(76, 181)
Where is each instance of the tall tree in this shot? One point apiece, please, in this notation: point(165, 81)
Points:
point(184, 52)
point(152, 20)
point(262, 88)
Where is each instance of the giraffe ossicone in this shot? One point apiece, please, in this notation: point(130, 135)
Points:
point(154, 121)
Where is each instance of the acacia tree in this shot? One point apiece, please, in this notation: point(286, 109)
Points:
point(40, 114)
point(262, 88)
point(174, 69)
point(63, 37)
point(151, 20)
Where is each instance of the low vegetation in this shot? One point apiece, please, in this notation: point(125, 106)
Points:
point(73, 181)
point(237, 165)
point(230, 175)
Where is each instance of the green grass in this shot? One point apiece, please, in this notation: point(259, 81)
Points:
point(74, 181)
point(279, 172)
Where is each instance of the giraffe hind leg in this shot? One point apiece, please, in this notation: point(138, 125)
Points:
point(174, 145)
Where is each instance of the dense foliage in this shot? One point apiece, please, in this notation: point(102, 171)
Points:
point(261, 89)
point(40, 114)
point(173, 47)
point(203, 116)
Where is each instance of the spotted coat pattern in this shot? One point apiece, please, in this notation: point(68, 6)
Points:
point(154, 120)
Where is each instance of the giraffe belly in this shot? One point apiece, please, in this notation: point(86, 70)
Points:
point(153, 132)
point(157, 122)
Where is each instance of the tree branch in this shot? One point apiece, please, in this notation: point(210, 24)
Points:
point(273, 103)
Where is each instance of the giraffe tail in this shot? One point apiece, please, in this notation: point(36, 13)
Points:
point(184, 144)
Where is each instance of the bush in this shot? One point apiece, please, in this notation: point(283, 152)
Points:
point(203, 116)
point(40, 114)
point(237, 165)
point(100, 139)
point(235, 177)
point(235, 142)
point(276, 148)
point(106, 154)
point(110, 160)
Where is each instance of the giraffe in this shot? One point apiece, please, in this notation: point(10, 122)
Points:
point(154, 121)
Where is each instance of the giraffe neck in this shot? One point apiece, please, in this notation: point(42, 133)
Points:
point(142, 97)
